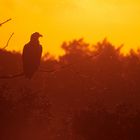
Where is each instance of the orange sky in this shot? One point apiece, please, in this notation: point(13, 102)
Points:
point(118, 20)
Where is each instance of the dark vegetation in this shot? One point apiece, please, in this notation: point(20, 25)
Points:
point(90, 95)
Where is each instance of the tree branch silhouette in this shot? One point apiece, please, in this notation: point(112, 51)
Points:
point(18, 75)
point(10, 35)
point(56, 70)
point(43, 70)
point(8, 41)
point(12, 76)
point(5, 21)
point(22, 73)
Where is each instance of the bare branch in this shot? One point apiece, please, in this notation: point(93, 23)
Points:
point(12, 76)
point(56, 70)
point(8, 41)
point(5, 21)
point(53, 71)
point(47, 71)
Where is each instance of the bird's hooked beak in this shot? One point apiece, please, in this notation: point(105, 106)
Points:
point(40, 35)
point(36, 36)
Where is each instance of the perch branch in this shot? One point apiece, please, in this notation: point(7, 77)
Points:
point(12, 76)
point(53, 71)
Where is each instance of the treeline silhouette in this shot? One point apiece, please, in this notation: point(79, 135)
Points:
point(93, 92)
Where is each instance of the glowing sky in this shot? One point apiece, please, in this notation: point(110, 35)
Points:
point(59, 20)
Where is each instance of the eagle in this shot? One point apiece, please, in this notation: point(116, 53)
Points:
point(31, 56)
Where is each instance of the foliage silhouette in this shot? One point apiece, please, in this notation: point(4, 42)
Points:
point(96, 96)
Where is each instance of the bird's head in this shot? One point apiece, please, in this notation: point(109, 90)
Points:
point(35, 36)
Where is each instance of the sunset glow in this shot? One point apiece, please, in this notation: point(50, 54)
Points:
point(65, 20)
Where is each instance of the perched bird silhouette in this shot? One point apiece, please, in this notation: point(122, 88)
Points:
point(32, 52)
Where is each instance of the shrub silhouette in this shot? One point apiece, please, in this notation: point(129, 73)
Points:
point(93, 91)
point(102, 124)
point(26, 112)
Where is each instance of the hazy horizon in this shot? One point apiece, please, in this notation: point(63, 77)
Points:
point(65, 20)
